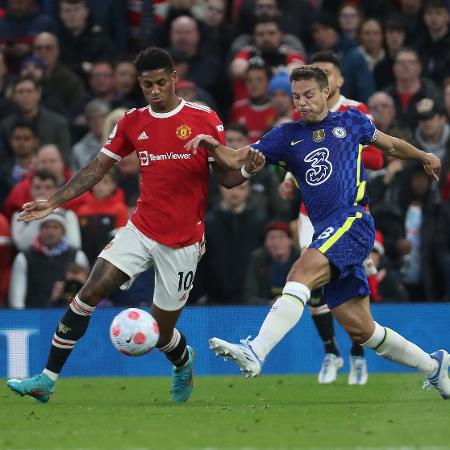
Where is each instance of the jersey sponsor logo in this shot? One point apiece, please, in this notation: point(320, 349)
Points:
point(219, 128)
point(339, 132)
point(146, 158)
point(318, 135)
point(296, 142)
point(321, 167)
point(183, 132)
point(142, 136)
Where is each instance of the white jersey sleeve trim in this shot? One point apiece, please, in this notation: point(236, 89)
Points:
point(110, 154)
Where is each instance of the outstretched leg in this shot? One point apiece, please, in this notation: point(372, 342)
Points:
point(354, 315)
point(311, 271)
point(104, 279)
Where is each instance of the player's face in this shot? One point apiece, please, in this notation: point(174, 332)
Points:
point(309, 100)
point(158, 87)
point(335, 79)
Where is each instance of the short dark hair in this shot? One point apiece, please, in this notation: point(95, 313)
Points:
point(43, 175)
point(328, 57)
point(267, 19)
point(74, 2)
point(310, 72)
point(23, 124)
point(153, 58)
point(257, 63)
point(22, 79)
point(434, 4)
point(238, 127)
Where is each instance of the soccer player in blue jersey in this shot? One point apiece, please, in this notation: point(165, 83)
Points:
point(323, 152)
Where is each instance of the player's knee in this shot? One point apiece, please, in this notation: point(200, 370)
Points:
point(358, 333)
point(91, 294)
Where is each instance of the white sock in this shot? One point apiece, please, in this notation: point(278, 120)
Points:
point(284, 314)
point(390, 345)
point(52, 375)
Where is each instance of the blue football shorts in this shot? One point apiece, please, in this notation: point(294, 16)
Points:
point(346, 240)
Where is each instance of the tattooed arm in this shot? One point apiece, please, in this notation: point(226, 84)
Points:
point(87, 177)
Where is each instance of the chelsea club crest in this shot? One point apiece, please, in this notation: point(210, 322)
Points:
point(339, 132)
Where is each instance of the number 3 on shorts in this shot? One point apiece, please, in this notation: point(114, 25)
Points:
point(326, 233)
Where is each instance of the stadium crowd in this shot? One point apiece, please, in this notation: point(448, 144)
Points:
point(67, 76)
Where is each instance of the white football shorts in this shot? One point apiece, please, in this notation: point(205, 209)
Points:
point(132, 252)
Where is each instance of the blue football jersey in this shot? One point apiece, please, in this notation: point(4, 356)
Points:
point(325, 159)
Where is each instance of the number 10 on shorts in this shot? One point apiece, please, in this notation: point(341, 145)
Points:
point(185, 280)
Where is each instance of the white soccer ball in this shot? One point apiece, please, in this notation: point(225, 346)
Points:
point(134, 332)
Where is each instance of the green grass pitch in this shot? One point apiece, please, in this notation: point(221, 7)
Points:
point(270, 412)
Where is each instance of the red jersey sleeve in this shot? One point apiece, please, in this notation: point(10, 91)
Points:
point(118, 145)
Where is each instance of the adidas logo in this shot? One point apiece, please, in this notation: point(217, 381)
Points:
point(142, 136)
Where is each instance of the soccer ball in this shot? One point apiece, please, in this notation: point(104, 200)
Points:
point(134, 332)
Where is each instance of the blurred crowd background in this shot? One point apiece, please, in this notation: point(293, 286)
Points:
point(67, 76)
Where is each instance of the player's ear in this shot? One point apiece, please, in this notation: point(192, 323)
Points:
point(340, 81)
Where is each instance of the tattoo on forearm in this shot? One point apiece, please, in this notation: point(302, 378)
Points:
point(81, 182)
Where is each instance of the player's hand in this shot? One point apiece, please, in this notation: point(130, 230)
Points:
point(432, 165)
point(286, 189)
point(255, 161)
point(36, 209)
point(202, 140)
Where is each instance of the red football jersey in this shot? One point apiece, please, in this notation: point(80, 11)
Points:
point(174, 182)
point(257, 118)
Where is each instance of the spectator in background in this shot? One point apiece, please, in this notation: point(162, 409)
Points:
point(81, 40)
point(6, 259)
point(58, 78)
point(86, 149)
point(101, 81)
point(233, 231)
point(409, 87)
point(50, 127)
point(36, 270)
point(350, 19)
point(394, 39)
point(48, 158)
point(434, 44)
point(433, 131)
point(103, 213)
point(190, 92)
point(270, 264)
point(382, 108)
point(446, 93)
point(6, 104)
point(268, 45)
point(43, 184)
point(63, 292)
point(371, 39)
point(217, 34)
point(359, 84)
point(205, 70)
point(255, 111)
point(21, 22)
point(33, 66)
point(280, 98)
point(24, 144)
point(127, 92)
point(410, 13)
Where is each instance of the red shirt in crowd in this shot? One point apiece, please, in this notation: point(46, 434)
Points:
point(174, 186)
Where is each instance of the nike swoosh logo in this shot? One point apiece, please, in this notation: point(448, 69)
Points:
point(128, 340)
point(296, 142)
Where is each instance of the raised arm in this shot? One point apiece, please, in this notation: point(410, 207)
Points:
point(401, 149)
point(87, 177)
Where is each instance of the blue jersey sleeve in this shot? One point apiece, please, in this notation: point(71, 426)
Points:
point(272, 145)
point(364, 127)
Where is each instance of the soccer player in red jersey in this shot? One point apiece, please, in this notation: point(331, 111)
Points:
point(166, 229)
point(323, 320)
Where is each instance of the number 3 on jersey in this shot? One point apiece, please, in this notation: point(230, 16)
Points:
point(321, 167)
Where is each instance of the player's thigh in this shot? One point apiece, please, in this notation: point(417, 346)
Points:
point(103, 280)
point(174, 275)
point(311, 269)
point(130, 252)
point(355, 317)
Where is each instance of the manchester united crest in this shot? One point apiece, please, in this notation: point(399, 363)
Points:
point(318, 135)
point(184, 131)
